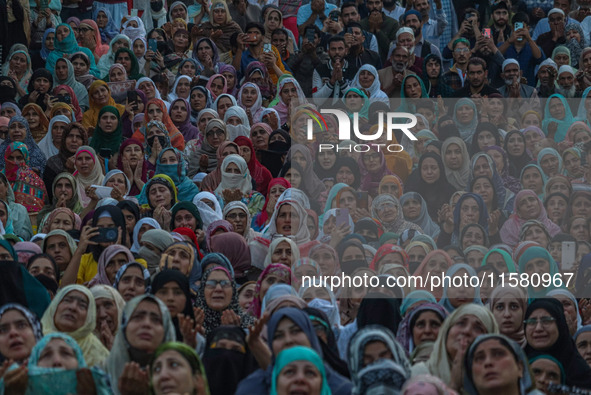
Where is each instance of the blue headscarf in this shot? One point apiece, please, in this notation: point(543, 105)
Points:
point(109, 31)
point(551, 151)
point(544, 178)
point(186, 189)
point(414, 297)
point(44, 50)
point(563, 124)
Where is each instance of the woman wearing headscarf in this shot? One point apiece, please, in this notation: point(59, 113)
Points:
point(128, 60)
point(241, 225)
point(550, 162)
point(236, 177)
point(372, 165)
point(420, 215)
point(128, 345)
point(429, 176)
point(109, 264)
point(436, 261)
point(546, 316)
point(19, 131)
point(367, 78)
point(107, 26)
point(222, 21)
point(527, 206)
point(17, 220)
point(154, 108)
point(60, 218)
point(88, 172)
point(173, 166)
point(68, 78)
point(258, 381)
point(387, 210)
point(476, 320)
point(20, 75)
point(465, 117)
point(537, 261)
point(281, 380)
point(56, 319)
point(108, 321)
point(162, 201)
point(483, 165)
point(518, 155)
point(206, 56)
point(28, 187)
point(37, 119)
point(29, 334)
point(454, 297)
point(133, 164)
point(571, 309)
point(65, 45)
point(180, 113)
point(557, 117)
point(289, 90)
point(107, 133)
point(456, 160)
point(99, 96)
point(275, 188)
point(512, 360)
point(311, 183)
point(433, 315)
point(226, 299)
point(166, 286)
point(260, 174)
point(508, 305)
point(107, 60)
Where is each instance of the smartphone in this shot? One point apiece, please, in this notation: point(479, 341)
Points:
point(105, 152)
point(106, 235)
point(569, 256)
point(468, 16)
point(342, 217)
point(43, 4)
point(334, 17)
point(252, 37)
point(350, 30)
point(267, 47)
point(363, 200)
point(102, 192)
point(64, 99)
point(519, 25)
point(486, 33)
point(310, 35)
point(153, 45)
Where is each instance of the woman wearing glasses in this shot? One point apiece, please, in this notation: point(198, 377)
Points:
point(218, 299)
point(547, 332)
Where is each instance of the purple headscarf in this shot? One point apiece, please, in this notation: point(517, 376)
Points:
point(188, 131)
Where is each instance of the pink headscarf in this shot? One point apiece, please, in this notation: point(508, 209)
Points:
point(108, 254)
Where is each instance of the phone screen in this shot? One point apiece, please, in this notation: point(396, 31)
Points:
point(568, 258)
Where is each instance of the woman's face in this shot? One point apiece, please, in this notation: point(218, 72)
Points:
point(62, 221)
point(366, 79)
point(494, 366)
point(173, 297)
point(579, 230)
point(549, 165)
point(545, 371)
point(531, 120)
point(371, 160)
point(101, 95)
point(288, 334)
point(430, 171)
point(246, 296)
point(288, 93)
point(474, 259)
point(184, 219)
point(465, 114)
point(462, 294)
point(496, 107)
point(528, 207)
point(71, 312)
point(453, 157)
point(537, 234)
point(179, 112)
point(497, 157)
point(117, 75)
point(149, 90)
point(462, 333)
point(325, 260)
point(219, 16)
point(230, 80)
point(132, 153)
point(484, 188)
point(390, 188)
point(387, 212)
point(412, 88)
point(215, 137)
point(62, 32)
point(218, 290)
point(80, 67)
point(139, 48)
point(217, 87)
point(108, 122)
point(508, 314)
point(155, 112)
point(41, 85)
point(114, 265)
point(74, 140)
point(18, 63)
point(537, 265)
point(581, 206)
point(411, 209)
point(204, 50)
point(283, 254)
point(541, 330)
point(84, 163)
point(426, 327)
point(160, 195)
point(145, 330)
point(132, 283)
point(171, 373)
point(299, 376)
point(223, 104)
point(17, 132)
point(245, 153)
point(188, 69)
point(353, 101)
point(183, 89)
point(482, 168)
point(40, 266)
point(238, 218)
point(469, 212)
point(532, 179)
point(249, 96)
point(570, 312)
point(581, 137)
point(294, 177)
point(288, 220)
point(473, 236)
point(557, 108)
point(556, 208)
point(58, 354)
point(347, 200)
point(17, 338)
point(268, 282)
point(198, 103)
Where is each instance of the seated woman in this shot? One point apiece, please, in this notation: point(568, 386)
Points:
point(153, 243)
point(37, 119)
point(20, 330)
point(299, 359)
point(181, 361)
point(387, 210)
point(236, 184)
point(461, 327)
point(132, 162)
point(99, 96)
point(131, 280)
point(108, 133)
point(282, 322)
point(509, 358)
point(17, 216)
point(60, 218)
point(28, 187)
point(214, 300)
point(19, 131)
point(73, 311)
point(156, 110)
point(110, 261)
point(65, 194)
point(132, 349)
point(159, 195)
point(180, 113)
point(420, 325)
point(536, 261)
point(547, 332)
point(276, 187)
point(171, 163)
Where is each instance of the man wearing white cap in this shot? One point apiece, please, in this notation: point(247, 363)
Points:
point(566, 82)
point(405, 37)
point(543, 25)
point(514, 88)
point(550, 40)
point(547, 73)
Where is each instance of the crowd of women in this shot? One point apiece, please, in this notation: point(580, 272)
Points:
point(162, 202)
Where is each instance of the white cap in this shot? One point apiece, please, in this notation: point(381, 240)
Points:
point(555, 11)
point(404, 30)
point(508, 62)
point(566, 69)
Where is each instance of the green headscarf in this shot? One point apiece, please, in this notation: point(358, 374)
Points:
point(102, 139)
point(533, 253)
point(299, 353)
point(506, 257)
point(190, 207)
point(190, 356)
point(364, 111)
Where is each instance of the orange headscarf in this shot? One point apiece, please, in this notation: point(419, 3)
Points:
point(176, 138)
point(39, 132)
point(90, 117)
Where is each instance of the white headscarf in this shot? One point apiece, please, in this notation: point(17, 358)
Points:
point(375, 93)
point(172, 96)
point(302, 234)
point(208, 215)
point(258, 104)
point(136, 231)
point(239, 130)
point(46, 144)
point(457, 178)
point(242, 181)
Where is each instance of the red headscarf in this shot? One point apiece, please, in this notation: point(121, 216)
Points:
point(258, 172)
point(191, 235)
point(387, 249)
point(262, 218)
point(75, 104)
